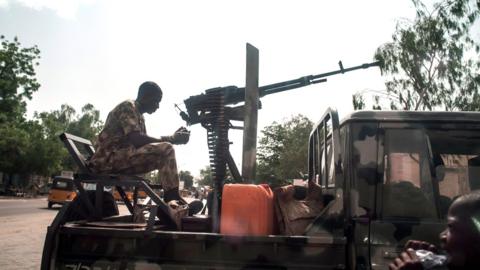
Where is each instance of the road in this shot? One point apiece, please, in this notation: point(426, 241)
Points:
point(24, 225)
point(9, 207)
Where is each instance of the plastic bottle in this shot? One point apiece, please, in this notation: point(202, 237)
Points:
point(431, 260)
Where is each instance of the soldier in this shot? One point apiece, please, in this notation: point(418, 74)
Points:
point(460, 240)
point(123, 146)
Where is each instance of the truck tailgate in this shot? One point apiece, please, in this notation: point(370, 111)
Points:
point(84, 247)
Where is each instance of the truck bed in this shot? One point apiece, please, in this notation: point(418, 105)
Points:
point(99, 246)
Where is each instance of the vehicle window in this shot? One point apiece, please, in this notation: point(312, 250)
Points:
point(331, 164)
point(321, 159)
point(456, 162)
point(425, 170)
point(453, 173)
point(90, 186)
point(407, 187)
point(327, 165)
point(317, 157)
point(61, 185)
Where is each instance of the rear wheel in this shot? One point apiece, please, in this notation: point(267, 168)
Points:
point(50, 205)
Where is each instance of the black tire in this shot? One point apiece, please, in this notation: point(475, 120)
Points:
point(50, 205)
point(77, 209)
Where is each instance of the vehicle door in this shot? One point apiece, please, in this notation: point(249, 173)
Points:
point(325, 169)
point(361, 176)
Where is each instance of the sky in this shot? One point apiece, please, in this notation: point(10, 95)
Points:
point(99, 52)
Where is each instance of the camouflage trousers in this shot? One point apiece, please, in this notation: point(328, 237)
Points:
point(153, 156)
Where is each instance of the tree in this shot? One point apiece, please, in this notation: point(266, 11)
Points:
point(17, 78)
point(33, 146)
point(206, 177)
point(26, 150)
point(14, 143)
point(43, 156)
point(86, 125)
point(207, 180)
point(17, 83)
point(282, 151)
point(431, 62)
point(187, 179)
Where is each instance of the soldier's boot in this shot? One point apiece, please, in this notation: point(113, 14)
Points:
point(193, 207)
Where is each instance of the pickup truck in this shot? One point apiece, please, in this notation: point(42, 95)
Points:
point(391, 175)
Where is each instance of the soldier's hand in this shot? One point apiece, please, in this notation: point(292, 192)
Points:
point(416, 245)
point(182, 129)
point(407, 260)
point(181, 136)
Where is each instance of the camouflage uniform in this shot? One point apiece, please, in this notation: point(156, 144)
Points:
point(114, 154)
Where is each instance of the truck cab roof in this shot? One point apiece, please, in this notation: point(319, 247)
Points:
point(412, 116)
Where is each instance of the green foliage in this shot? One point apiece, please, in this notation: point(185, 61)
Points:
point(27, 150)
point(17, 83)
point(282, 151)
point(432, 62)
point(206, 177)
point(33, 146)
point(14, 142)
point(17, 78)
point(187, 179)
point(358, 102)
point(86, 125)
point(43, 154)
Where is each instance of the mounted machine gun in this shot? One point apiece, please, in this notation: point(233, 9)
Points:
point(211, 110)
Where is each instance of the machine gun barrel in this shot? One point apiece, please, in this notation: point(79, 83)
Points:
point(197, 105)
point(307, 80)
point(236, 95)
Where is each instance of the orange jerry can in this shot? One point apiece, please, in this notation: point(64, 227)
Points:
point(247, 210)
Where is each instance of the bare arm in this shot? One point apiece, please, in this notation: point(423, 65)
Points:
point(139, 139)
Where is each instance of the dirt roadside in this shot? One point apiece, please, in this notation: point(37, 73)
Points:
point(23, 235)
point(22, 239)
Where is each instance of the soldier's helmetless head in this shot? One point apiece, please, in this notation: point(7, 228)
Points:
point(461, 238)
point(149, 97)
